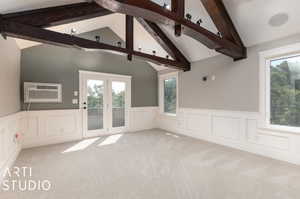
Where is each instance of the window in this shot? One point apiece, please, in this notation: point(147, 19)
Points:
point(285, 91)
point(280, 88)
point(168, 93)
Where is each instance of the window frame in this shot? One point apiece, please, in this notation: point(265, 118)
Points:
point(162, 79)
point(265, 58)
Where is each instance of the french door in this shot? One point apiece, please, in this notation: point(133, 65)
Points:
point(105, 101)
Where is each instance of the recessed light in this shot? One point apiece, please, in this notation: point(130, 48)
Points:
point(279, 19)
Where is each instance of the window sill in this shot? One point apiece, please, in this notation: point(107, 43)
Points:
point(169, 114)
point(282, 129)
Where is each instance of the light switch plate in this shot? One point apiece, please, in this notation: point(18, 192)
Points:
point(75, 93)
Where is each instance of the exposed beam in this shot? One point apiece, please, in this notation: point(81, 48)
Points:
point(58, 15)
point(158, 34)
point(22, 31)
point(159, 60)
point(157, 14)
point(129, 36)
point(178, 7)
point(217, 11)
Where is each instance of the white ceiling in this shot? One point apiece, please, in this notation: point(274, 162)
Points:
point(251, 18)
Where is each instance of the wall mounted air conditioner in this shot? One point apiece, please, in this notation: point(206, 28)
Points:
point(42, 92)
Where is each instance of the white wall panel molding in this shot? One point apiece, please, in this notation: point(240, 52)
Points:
point(59, 126)
point(143, 118)
point(9, 146)
point(240, 130)
point(51, 127)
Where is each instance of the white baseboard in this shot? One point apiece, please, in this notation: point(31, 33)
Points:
point(238, 130)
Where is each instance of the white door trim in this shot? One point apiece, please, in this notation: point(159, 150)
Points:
point(111, 75)
point(108, 78)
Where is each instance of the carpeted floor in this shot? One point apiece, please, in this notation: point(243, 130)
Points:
point(153, 164)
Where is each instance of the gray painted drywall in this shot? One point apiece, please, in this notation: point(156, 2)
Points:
point(53, 64)
point(237, 83)
point(9, 77)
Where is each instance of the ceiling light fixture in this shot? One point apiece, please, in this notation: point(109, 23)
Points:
point(199, 22)
point(97, 37)
point(188, 16)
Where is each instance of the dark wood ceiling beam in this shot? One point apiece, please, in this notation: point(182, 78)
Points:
point(217, 11)
point(52, 16)
point(158, 34)
point(37, 34)
point(157, 14)
point(178, 7)
point(161, 61)
point(129, 35)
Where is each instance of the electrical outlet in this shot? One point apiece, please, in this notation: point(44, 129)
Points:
point(74, 101)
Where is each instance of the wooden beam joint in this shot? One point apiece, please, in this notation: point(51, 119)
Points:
point(158, 34)
point(155, 13)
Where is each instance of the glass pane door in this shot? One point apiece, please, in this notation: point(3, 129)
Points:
point(105, 102)
point(95, 93)
point(118, 103)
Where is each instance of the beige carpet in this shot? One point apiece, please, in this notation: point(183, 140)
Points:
point(154, 165)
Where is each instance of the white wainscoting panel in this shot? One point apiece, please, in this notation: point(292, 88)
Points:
point(240, 130)
point(9, 145)
point(58, 126)
point(51, 127)
point(226, 127)
point(143, 118)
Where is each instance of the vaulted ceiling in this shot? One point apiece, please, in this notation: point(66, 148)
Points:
point(256, 21)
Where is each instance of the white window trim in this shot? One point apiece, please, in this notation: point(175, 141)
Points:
point(265, 58)
point(161, 80)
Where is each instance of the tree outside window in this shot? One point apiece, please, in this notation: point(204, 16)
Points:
point(170, 95)
point(285, 92)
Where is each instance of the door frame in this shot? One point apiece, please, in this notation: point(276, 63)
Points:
point(108, 78)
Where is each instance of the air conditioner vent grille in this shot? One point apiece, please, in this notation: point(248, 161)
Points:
point(42, 92)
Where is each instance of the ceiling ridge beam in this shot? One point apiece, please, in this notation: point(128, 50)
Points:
point(157, 14)
point(163, 40)
point(58, 15)
point(37, 34)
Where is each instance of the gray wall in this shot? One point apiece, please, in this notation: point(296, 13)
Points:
point(53, 64)
point(9, 77)
point(237, 83)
